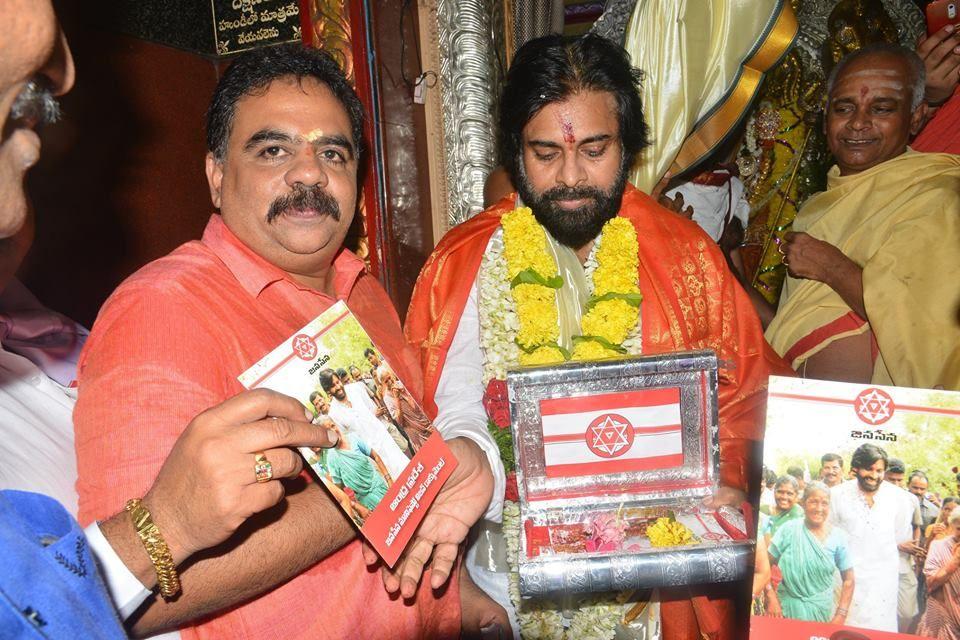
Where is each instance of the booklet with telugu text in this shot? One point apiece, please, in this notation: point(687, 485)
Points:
point(389, 463)
point(845, 562)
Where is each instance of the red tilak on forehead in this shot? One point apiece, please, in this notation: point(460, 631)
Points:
point(567, 127)
point(864, 91)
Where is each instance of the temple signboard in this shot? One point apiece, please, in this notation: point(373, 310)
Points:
point(217, 28)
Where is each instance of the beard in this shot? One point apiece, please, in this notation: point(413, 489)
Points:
point(35, 105)
point(305, 199)
point(573, 227)
point(868, 485)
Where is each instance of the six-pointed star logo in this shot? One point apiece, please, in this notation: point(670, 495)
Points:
point(609, 435)
point(304, 347)
point(873, 406)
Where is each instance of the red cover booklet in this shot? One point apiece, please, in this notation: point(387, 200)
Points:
point(859, 534)
point(389, 463)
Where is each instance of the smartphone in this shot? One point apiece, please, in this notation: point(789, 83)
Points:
point(940, 13)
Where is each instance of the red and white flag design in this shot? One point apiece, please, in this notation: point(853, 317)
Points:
point(611, 433)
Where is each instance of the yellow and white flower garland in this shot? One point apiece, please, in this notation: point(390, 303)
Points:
point(519, 324)
point(519, 319)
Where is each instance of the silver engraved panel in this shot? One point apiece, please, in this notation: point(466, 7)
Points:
point(695, 374)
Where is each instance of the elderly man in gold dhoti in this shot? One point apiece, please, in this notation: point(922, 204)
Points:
point(872, 292)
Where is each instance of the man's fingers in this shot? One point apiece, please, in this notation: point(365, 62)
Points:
point(412, 570)
point(258, 497)
point(250, 406)
point(942, 50)
point(283, 432)
point(931, 42)
point(284, 463)
point(444, 555)
point(390, 580)
point(370, 556)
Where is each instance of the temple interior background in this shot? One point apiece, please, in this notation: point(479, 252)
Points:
point(127, 159)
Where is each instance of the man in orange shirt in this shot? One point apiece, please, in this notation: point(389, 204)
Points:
point(284, 139)
point(571, 125)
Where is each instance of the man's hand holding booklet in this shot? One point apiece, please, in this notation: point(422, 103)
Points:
point(389, 464)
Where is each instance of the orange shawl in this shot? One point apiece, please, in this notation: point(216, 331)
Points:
point(942, 133)
point(690, 301)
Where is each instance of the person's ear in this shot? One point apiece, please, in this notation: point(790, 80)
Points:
point(214, 169)
point(918, 118)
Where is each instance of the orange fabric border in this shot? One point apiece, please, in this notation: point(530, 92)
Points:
point(713, 128)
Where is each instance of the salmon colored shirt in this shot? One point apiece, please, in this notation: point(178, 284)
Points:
point(168, 344)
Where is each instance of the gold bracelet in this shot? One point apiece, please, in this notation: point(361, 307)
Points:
point(156, 548)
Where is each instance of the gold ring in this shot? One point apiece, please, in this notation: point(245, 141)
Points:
point(262, 468)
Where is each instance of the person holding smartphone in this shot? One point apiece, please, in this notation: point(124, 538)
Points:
point(940, 52)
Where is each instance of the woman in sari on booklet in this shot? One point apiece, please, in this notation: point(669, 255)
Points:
point(941, 619)
point(809, 552)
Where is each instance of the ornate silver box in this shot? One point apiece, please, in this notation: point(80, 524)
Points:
point(614, 457)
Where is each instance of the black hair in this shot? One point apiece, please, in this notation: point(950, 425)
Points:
point(369, 352)
point(254, 70)
point(895, 465)
point(326, 379)
point(918, 474)
point(551, 69)
point(787, 479)
point(867, 455)
point(315, 395)
point(342, 374)
point(831, 457)
point(769, 476)
point(796, 472)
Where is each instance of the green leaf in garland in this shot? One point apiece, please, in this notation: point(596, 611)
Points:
point(504, 440)
point(602, 341)
point(529, 276)
point(633, 299)
point(529, 350)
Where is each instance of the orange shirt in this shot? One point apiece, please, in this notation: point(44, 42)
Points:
point(168, 344)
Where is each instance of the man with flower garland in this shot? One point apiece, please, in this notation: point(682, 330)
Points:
point(571, 126)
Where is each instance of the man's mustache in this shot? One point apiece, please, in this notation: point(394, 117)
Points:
point(303, 199)
point(35, 104)
point(571, 193)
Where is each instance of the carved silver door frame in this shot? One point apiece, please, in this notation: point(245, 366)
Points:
point(462, 42)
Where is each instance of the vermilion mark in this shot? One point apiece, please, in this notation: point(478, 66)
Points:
point(567, 127)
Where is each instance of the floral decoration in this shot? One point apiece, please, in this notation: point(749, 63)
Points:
point(666, 532)
point(519, 324)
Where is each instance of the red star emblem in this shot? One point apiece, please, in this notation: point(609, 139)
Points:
point(873, 406)
point(304, 347)
point(609, 435)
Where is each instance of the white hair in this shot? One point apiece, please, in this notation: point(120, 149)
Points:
point(918, 74)
point(811, 487)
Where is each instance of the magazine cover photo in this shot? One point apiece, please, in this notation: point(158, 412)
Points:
point(858, 526)
point(334, 368)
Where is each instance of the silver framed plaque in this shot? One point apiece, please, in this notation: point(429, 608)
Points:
point(606, 450)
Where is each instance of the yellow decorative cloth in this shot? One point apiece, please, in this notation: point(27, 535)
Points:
point(703, 61)
point(900, 222)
